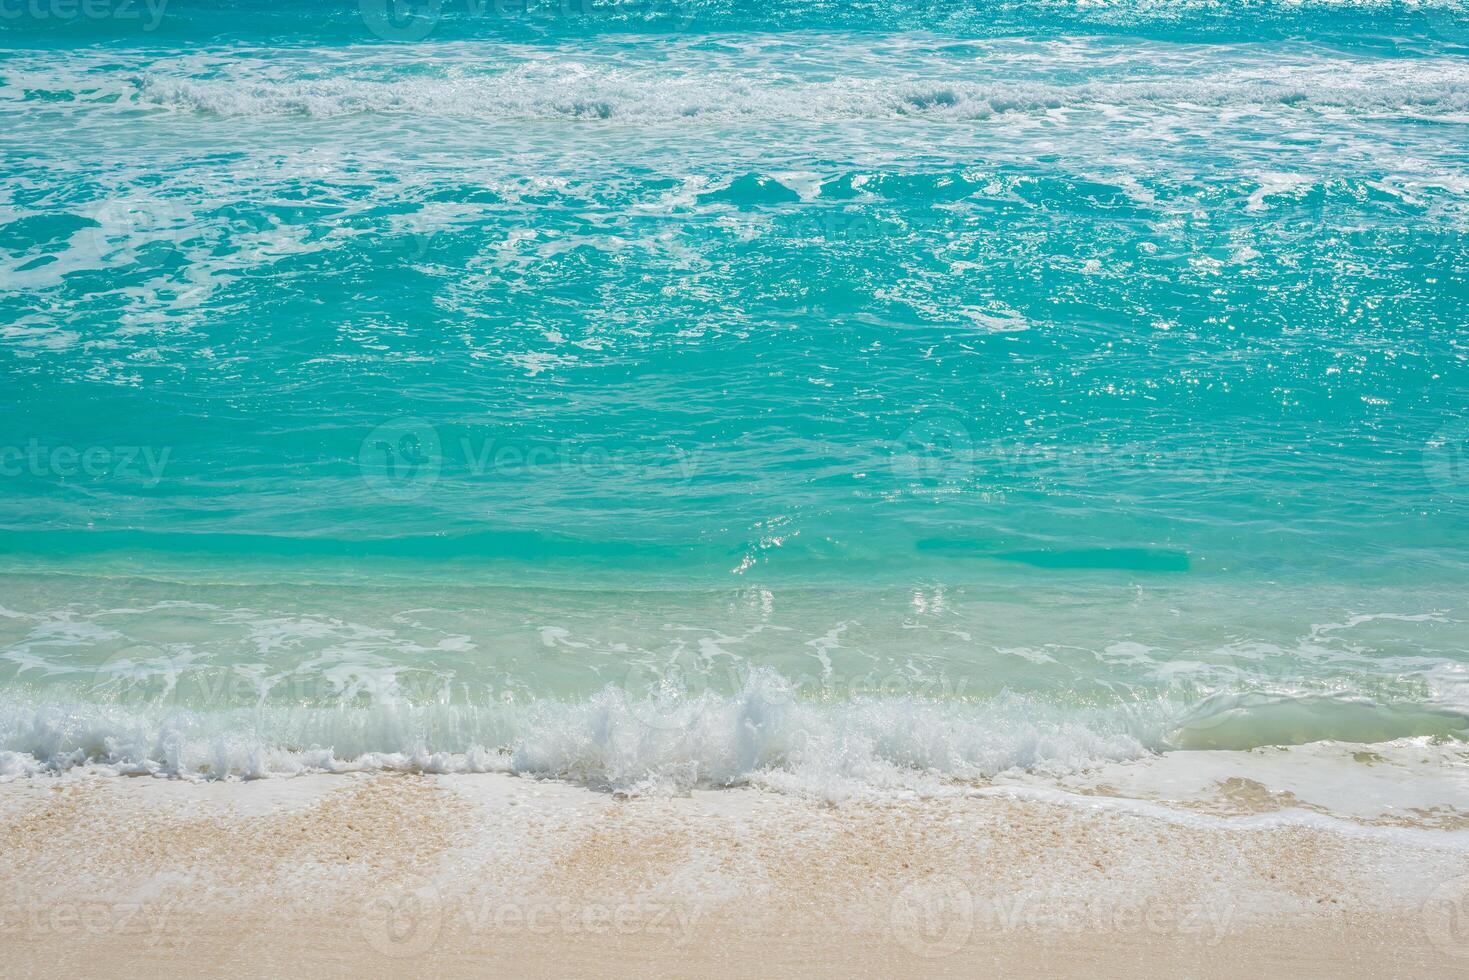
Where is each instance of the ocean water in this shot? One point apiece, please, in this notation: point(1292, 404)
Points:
point(827, 396)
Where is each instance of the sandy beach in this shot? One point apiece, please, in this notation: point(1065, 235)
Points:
point(707, 488)
point(474, 875)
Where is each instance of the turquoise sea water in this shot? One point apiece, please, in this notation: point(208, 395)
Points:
point(682, 393)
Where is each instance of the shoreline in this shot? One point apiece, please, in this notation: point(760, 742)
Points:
point(457, 875)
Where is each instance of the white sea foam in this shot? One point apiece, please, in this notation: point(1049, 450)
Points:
point(613, 740)
point(666, 742)
point(670, 81)
point(575, 91)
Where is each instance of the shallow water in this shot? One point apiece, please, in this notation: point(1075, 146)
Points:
point(677, 394)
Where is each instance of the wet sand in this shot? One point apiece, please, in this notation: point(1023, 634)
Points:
point(473, 875)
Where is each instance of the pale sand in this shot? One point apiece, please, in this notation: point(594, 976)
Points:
point(489, 875)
